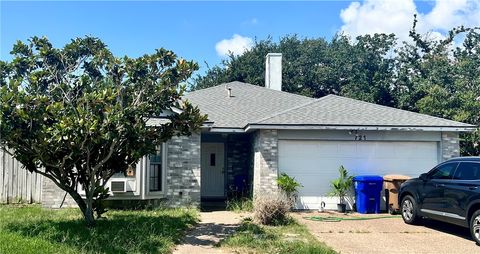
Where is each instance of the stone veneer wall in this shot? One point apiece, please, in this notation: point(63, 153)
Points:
point(239, 156)
point(450, 145)
point(183, 171)
point(182, 177)
point(265, 162)
point(52, 196)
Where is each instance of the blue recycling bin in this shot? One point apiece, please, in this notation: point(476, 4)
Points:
point(368, 189)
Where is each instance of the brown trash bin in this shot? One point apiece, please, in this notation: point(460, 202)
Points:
point(391, 184)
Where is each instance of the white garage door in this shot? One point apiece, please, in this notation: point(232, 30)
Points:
point(315, 163)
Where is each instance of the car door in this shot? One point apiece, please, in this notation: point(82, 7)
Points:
point(433, 189)
point(463, 188)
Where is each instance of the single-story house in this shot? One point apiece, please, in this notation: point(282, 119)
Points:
point(255, 133)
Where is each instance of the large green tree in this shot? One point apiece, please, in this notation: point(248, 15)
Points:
point(315, 67)
point(77, 114)
point(441, 78)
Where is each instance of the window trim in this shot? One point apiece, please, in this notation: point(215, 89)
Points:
point(163, 171)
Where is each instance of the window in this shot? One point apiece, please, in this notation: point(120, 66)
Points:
point(444, 171)
point(212, 159)
point(467, 171)
point(156, 172)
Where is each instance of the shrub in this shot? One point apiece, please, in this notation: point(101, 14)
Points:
point(271, 208)
point(342, 185)
point(289, 185)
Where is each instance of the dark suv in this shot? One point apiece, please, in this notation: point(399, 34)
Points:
point(450, 192)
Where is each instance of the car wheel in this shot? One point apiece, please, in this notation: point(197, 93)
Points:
point(475, 226)
point(409, 210)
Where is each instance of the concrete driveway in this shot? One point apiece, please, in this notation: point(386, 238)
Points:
point(389, 235)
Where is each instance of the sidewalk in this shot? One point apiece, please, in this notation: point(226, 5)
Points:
point(213, 227)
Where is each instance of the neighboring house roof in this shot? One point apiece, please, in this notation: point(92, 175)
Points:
point(259, 107)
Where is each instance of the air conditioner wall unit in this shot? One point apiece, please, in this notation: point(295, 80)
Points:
point(118, 186)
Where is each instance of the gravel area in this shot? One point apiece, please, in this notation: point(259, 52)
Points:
point(388, 235)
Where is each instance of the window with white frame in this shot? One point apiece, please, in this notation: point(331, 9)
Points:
point(156, 170)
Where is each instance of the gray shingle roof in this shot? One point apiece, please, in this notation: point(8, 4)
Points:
point(249, 103)
point(252, 104)
point(337, 110)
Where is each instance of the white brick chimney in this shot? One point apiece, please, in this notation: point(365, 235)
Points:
point(273, 71)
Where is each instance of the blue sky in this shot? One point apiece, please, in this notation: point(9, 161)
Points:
point(194, 29)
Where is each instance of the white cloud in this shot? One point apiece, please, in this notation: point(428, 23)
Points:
point(448, 14)
point(236, 45)
point(250, 22)
point(395, 16)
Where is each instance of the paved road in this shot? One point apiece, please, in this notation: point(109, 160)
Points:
point(390, 235)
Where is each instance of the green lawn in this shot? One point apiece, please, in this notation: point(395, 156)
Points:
point(293, 238)
point(31, 229)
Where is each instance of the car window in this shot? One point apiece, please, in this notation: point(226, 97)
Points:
point(444, 171)
point(467, 171)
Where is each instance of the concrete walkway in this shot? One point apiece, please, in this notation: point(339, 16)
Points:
point(213, 227)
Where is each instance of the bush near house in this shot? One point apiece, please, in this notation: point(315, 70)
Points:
point(341, 187)
point(271, 208)
point(31, 229)
point(289, 186)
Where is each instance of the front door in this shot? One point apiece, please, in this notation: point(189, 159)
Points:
point(212, 171)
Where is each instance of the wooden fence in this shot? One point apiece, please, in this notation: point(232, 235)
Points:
point(17, 185)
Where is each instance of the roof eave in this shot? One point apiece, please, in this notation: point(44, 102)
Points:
point(207, 125)
point(227, 130)
point(359, 127)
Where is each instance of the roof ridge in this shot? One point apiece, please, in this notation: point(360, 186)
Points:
point(208, 88)
point(253, 86)
point(397, 109)
point(290, 109)
point(276, 91)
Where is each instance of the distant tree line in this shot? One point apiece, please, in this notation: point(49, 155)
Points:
point(435, 77)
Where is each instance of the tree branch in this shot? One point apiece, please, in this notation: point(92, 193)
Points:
point(106, 158)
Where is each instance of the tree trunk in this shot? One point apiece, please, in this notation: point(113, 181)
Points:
point(86, 207)
point(88, 214)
